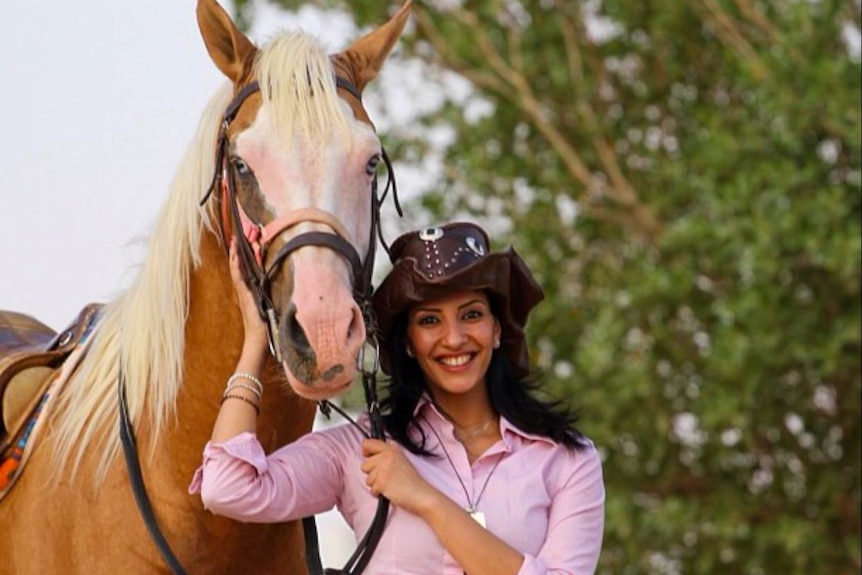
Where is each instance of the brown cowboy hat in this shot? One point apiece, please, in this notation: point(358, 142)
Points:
point(432, 262)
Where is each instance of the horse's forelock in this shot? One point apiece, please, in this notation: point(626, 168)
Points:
point(298, 80)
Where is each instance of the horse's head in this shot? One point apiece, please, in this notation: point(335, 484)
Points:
point(295, 176)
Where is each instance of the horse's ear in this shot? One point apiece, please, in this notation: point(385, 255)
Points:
point(229, 48)
point(364, 58)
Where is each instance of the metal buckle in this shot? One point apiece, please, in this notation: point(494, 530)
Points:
point(431, 234)
point(360, 360)
point(272, 325)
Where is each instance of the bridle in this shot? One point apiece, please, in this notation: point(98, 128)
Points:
point(252, 251)
point(253, 247)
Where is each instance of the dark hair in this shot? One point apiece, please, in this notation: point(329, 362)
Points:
point(514, 399)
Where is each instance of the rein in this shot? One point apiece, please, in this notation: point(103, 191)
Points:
point(253, 245)
point(365, 549)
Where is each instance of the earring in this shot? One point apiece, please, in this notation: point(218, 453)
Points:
point(410, 352)
point(496, 344)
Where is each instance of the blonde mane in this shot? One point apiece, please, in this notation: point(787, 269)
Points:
point(143, 329)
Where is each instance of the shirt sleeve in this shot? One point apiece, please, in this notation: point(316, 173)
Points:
point(238, 480)
point(576, 522)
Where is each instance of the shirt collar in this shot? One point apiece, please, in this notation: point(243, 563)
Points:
point(427, 409)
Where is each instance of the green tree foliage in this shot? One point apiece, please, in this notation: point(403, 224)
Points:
point(684, 176)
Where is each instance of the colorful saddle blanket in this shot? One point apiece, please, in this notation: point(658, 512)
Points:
point(31, 355)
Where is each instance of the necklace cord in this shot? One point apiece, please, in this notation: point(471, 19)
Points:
point(476, 431)
point(471, 505)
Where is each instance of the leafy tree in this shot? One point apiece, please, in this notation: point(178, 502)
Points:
point(684, 177)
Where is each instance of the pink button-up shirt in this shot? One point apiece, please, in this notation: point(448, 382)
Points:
point(540, 498)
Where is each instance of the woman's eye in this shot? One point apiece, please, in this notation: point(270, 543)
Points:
point(241, 167)
point(472, 314)
point(427, 320)
point(371, 166)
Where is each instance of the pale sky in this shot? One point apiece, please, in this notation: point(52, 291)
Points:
point(99, 100)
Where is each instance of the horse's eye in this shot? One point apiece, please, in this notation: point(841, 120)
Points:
point(240, 166)
point(371, 166)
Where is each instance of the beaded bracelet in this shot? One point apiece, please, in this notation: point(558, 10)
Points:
point(242, 398)
point(252, 389)
point(247, 376)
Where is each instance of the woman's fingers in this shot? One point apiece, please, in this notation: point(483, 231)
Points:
point(235, 272)
point(254, 326)
point(375, 465)
point(372, 447)
point(390, 473)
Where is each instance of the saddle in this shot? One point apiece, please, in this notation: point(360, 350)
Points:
point(30, 353)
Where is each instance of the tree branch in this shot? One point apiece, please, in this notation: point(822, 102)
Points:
point(726, 31)
point(442, 47)
point(510, 84)
point(757, 18)
point(622, 190)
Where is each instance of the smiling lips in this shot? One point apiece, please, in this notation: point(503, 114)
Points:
point(456, 360)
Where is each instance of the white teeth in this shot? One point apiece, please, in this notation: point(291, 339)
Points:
point(455, 361)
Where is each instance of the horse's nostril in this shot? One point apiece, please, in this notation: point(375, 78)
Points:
point(294, 332)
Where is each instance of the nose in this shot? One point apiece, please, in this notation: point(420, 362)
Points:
point(454, 336)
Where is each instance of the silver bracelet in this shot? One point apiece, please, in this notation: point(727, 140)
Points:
point(243, 399)
point(248, 377)
point(252, 389)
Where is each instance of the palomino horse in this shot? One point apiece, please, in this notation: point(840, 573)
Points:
point(299, 152)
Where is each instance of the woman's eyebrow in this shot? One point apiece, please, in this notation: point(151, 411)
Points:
point(438, 310)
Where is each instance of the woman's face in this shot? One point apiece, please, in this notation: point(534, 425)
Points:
point(452, 338)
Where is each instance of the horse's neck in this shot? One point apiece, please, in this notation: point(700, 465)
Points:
point(213, 341)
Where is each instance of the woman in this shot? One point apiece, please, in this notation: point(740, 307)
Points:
point(483, 477)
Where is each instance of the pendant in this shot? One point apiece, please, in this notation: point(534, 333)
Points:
point(477, 516)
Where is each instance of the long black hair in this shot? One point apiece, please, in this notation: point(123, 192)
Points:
point(514, 399)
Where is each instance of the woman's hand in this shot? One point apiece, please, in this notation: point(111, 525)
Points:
point(389, 473)
point(255, 329)
point(477, 550)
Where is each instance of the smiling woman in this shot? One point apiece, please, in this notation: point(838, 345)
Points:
point(483, 477)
